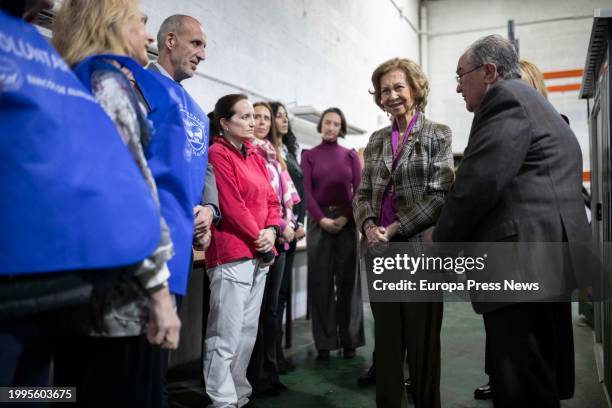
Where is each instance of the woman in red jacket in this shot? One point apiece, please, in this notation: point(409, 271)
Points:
point(241, 249)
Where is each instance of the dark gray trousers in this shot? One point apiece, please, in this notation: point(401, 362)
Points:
point(334, 287)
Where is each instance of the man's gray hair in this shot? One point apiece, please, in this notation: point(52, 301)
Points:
point(172, 24)
point(495, 49)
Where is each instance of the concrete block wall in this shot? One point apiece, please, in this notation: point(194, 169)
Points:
point(301, 52)
point(554, 34)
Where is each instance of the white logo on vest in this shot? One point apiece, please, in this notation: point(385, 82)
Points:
point(10, 76)
point(195, 145)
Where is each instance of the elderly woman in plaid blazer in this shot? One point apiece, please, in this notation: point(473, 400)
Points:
point(408, 171)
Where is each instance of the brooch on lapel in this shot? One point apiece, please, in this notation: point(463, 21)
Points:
point(417, 142)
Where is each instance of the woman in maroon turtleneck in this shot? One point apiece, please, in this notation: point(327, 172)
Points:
point(331, 177)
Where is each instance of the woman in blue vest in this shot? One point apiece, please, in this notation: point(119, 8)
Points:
point(68, 176)
point(112, 356)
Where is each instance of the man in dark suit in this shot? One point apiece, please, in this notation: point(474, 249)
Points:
point(520, 180)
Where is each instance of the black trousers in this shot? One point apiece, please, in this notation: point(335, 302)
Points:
point(25, 351)
point(120, 371)
point(262, 372)
point(283, 298)
point(409, 330)
point(531, 354)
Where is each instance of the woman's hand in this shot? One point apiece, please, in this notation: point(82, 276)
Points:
point(341, 221)
point(375, 234)
point(329, 225)
point(299, 233)
point(164, 324)
point(392, 230)
point(288, 233)
point(265, 242)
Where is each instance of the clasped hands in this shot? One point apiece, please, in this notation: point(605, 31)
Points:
point(288, 234)
point(265, 242)
point(378, 236)
point(333, 225)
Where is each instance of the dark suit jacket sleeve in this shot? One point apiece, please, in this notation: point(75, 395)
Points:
point(499, 141)
point(210, 195)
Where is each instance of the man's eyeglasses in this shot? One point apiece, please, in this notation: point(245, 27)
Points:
point(459, 76)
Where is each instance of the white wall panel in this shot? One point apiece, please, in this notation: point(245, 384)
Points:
point(559, 44)
point(302, 52)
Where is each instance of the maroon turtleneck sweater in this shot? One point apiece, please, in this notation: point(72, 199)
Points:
point(331, 177)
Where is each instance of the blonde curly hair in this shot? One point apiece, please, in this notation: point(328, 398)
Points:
point(417, 81)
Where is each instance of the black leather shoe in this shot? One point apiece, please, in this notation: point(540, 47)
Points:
point(408, 385)
point(349, 353)
point(323, 355)
point(369, 378)
point(484, 392)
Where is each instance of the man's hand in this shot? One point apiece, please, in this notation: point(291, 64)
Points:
point(265, 242)
point(329, 225)
point(164, 325)
point(207, 239)
point(299, 233)
point(202, 242)
point(203, 219)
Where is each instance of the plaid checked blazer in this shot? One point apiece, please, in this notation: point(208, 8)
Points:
point(422, 177)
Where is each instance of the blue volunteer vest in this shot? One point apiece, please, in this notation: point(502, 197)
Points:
point(72, 197)
point(176, 155)
point(197, 129)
